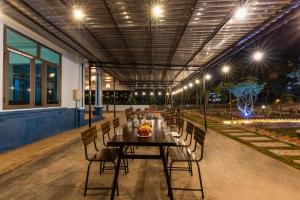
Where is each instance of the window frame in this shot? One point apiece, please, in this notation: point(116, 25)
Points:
point(6, 51)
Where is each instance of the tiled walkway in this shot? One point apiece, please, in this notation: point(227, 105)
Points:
point(230, 170)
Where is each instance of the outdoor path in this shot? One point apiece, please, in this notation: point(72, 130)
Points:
point(230, 171)
point(285, 152)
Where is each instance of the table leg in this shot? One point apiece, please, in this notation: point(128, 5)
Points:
point(162, 154)
point(112, 196)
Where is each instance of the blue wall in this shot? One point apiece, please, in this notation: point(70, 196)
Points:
point(18, 128)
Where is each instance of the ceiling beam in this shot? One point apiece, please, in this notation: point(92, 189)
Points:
point(283, 16)
point(95, 59)
point(56, 27)
point(186, 23)
point(111, 57)
point(146, 64)
point(212, 35)
point(118, 30)
point(146, 68)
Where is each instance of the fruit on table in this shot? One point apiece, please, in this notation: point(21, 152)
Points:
point(147, 123)
point(144, 130)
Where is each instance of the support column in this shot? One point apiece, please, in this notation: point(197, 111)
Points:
point(98, 103)
point(90, 95)
point(204, 103)
point(114, 97)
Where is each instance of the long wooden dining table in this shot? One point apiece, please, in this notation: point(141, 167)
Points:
point(129, 138)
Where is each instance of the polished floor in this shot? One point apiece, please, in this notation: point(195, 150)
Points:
point(230, 171)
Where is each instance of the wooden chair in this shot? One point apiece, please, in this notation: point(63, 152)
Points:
point(186, 143)
point(104, 155)
point(180, 125)
point(105, 128)
point(116, 124)
point(129, 114)
point(186, 155)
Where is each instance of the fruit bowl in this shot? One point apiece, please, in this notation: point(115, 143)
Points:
point(144, 131)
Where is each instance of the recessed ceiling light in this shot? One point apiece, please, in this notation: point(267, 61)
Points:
point(78, 14)
point(199, 13)
point(156, 11)
point(241, 13)
point(258, 56)
point(127, 17)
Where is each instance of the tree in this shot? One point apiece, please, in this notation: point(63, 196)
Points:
point(246, 94)
point(295, 75)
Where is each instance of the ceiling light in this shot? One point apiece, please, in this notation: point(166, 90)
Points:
point(107, 86)
point(135, 93)
point(185, 87)
point(168, 94)
point(78, 14)
point(159, 93)
point(190, 85)
point(199, 13)
point(127, 17)
point(207, 76)
point(258, 56)
point(156, 11)
point(197, 81)
point(125, 13)
point(144, 93)
point(225, 69)
point(151, 93)
point(241, 13)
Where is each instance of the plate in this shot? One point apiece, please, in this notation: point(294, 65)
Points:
point(142, 136)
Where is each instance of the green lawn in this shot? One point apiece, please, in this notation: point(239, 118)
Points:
point(286, 131)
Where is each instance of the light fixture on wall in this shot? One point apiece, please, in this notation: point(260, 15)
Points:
point(107, 86)
point(93, 78)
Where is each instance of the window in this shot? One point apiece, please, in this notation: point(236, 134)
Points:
point(19, 79)
point(31, 73)
point(50, 55)
point(21, 43)
point(52, 85)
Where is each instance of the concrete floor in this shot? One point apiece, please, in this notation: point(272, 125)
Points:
point(230, 171)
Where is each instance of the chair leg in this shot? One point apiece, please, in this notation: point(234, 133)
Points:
point(103, 167)
point(191, 168)
point(170, 176)
point(202, 192)
point(125, 167)
point(117, 182)
point(87, 178)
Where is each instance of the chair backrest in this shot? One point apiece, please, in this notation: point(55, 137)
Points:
point(199, 136)
point(129, 113)
point(116, 122)
point(88, 136)
point(180, 123)
point(170, 121)
point(105, 128)
point(189, 128)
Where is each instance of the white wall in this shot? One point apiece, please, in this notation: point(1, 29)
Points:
point(71, 62)
point(71, 72)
